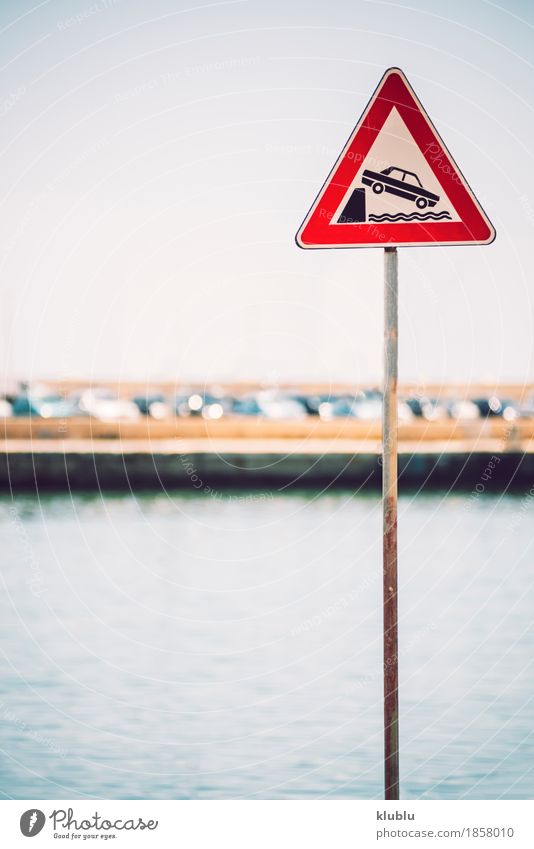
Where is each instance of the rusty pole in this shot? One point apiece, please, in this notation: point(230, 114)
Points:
point(389, 494)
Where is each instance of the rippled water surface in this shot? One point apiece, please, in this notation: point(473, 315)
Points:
point(179, 646)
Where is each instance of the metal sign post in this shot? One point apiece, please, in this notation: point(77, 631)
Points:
point(389, 493)
point(394, 183)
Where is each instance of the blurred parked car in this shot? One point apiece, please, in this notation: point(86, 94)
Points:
point(494, 406)
point(180, 406)
point(364, 409)
point(526, 409)
point(44, 406)
point(145, 402)
point(465, 410)
point(208, 404)
point(269, 406)
point(6, 409)
point(340, 405)
point(312, 403)
point(103, 404)
point(427, 408)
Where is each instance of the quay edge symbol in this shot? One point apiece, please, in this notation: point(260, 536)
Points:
point(395, 183)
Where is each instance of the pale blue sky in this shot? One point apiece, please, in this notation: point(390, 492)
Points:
point(157, 162)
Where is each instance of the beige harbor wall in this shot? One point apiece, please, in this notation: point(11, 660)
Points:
point(233, 427)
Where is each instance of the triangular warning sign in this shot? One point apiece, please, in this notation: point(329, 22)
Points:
point(395, 183)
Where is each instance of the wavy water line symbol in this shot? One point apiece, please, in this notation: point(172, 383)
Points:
point(414, 216)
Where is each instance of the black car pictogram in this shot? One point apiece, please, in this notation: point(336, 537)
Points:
point(404, 184)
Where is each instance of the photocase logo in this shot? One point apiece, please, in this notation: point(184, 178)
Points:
point(32, 822)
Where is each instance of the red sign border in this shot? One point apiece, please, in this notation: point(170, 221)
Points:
point(317, 232)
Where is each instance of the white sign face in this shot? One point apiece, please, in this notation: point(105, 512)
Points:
point(397, 195)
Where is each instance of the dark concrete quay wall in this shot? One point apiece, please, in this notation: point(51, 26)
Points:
point(206, 470)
